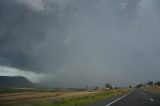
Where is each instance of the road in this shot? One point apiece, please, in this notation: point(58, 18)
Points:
point(136, 98)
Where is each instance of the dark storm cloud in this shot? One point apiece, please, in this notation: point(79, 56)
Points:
point(17, 34)
point(82, 42)
point(21, 28)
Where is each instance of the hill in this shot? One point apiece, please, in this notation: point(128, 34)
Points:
point(16, 81)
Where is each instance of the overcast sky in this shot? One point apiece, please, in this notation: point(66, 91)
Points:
point(79, 43)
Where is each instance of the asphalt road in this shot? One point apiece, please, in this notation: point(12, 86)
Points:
point(136, 98)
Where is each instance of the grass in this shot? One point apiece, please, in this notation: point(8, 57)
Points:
point(78, 101)
point(153, 89)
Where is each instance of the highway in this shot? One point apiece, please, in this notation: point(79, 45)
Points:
point(136, 98)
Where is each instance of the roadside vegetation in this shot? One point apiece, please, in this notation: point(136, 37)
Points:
point(153, 89)
point(77, 100)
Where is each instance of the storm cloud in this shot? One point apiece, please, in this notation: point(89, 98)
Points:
point(75, 43)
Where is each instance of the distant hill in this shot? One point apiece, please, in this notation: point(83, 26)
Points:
point(16, 81)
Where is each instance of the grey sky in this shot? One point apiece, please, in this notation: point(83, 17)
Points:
point(75, 43)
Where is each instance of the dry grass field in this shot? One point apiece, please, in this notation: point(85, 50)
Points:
point(56, 98)
point(154, 89)
point(9, 98)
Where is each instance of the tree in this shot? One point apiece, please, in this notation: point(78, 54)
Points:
point(157, 83)
point(108, 86)
point(115, 87)
point(139, 85)
point(150, 83)
point(96, 88)
point(130, 86)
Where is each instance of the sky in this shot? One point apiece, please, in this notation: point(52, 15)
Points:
point(79, 43)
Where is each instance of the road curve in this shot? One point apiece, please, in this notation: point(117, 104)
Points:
point(136, 98)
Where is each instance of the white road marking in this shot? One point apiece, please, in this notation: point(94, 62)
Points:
point(148, 97)
point(118, 99)
point(151, 100)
